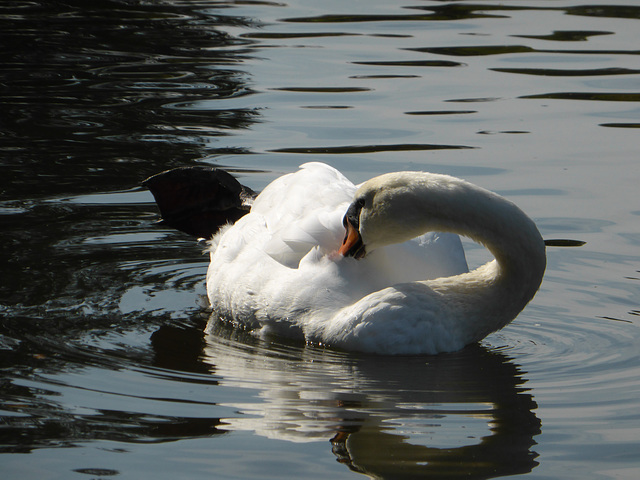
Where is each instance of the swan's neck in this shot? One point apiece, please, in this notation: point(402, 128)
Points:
point(489, 297)
point(493, 294)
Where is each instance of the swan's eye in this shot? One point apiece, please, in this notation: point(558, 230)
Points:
point(353, 213)
point(352, 245)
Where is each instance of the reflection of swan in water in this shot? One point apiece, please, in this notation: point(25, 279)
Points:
point(462, 414)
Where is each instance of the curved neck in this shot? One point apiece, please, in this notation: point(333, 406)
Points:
point(493, 294)
point(399, 206)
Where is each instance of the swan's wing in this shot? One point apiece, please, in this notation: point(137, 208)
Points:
point(303, 210)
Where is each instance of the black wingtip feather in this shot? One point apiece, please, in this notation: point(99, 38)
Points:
point(199, 200)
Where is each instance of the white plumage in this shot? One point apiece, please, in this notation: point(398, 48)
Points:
point(277, 270)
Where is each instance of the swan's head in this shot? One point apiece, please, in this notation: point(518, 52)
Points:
point(384, 211)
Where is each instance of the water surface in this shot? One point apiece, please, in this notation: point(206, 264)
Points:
point(107, 371)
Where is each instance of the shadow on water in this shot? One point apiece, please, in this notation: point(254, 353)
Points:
point(87, 89)
point(92, 100)
point(88, 95)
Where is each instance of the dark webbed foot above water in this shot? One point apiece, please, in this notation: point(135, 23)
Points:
point(199, 200)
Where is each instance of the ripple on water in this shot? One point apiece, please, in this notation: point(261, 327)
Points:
point(102, 336)
point(576, 362)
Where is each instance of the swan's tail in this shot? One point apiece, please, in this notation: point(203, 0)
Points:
point(199, 200)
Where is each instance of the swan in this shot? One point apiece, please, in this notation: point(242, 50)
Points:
point(367, 268)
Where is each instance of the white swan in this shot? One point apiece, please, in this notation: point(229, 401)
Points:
point(278, 270)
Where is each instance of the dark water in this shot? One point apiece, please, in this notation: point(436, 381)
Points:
point(106, 371)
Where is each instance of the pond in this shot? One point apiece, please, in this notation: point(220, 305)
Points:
point(106, 367)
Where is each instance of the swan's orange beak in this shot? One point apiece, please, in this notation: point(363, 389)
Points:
point(352, 245)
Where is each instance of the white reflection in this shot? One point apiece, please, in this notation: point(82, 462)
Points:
point(457, 414)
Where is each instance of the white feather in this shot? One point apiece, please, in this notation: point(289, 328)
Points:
point(277, 271)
